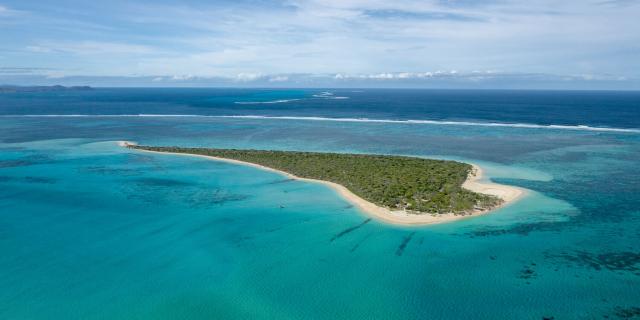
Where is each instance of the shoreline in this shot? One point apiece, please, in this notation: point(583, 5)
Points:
point(508, 194)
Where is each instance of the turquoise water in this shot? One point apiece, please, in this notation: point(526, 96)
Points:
point(90, 230)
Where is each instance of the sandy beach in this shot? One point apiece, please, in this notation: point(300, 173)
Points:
point(474, 182)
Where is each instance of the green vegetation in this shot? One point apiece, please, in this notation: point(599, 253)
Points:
point(399, 183)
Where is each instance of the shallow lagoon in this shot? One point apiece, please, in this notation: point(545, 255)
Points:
point(89, 230)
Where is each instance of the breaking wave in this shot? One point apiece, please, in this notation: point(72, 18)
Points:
point(366, 120)
point(266, 102)
point(328, 95)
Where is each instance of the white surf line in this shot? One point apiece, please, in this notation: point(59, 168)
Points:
point(267, 102)
point(365, 120)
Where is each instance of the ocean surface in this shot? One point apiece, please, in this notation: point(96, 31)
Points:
point(90, 230)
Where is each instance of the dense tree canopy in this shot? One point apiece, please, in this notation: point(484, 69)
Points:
point(396, 182)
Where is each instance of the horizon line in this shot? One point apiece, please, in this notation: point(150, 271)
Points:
point(5, 85)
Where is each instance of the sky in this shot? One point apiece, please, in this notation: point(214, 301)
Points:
point(590, 44)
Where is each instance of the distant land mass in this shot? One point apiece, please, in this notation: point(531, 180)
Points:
point(12, 88)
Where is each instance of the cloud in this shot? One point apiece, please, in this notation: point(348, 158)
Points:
point(365, 36)
point(22, 70)
point(7, 12)
point(619, 3)
point(4, 11)
point(345, 39)
point(278, 79)
point(90, 48)
point(410, 75)
point(183, 77)
point(432, 15)
point(434, 79)
point(38, 49)
point(246, 77)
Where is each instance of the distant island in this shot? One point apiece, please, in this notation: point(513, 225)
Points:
point(13, 89)
point(395, 188)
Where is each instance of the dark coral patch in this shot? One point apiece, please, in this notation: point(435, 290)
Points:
point(404, 243)
point(162, 182)
point(350, 229)
point(613, 261)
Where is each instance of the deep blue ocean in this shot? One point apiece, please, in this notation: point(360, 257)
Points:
point(90, 230)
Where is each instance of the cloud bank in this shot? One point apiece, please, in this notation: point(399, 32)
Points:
point(435, 80)
point(300, 42)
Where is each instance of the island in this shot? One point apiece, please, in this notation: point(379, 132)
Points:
point(397, 189)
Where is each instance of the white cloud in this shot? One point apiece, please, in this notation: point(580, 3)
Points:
point(11, 12)
point(248, 76)
point(278, 79)
point(91, 48)
point(8, 13)
point(409, 75)
point(349, 38)
point(4, 11)
point(343, 38)
point(183, 77)
point(38, 49)
point(390, 79)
